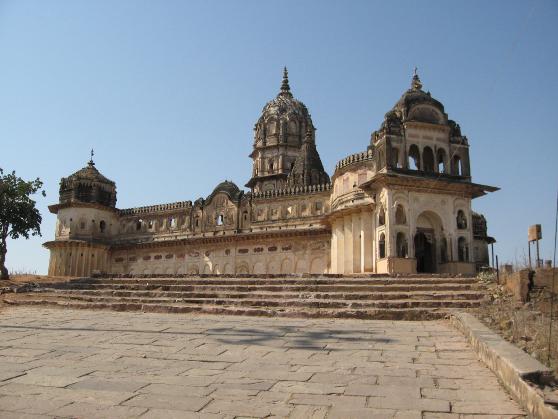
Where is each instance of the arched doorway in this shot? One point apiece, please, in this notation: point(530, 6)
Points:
point(424, 252)
point(428, 236)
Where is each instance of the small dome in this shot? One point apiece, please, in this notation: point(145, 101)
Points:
point(228, 188)
point(418, 105)
point(88, 185)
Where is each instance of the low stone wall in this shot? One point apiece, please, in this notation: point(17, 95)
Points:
point(402, 266)
point(543, 278)
point(464, 268)
point(517, 283)
point(511, 365)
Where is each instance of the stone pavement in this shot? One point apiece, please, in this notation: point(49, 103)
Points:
point(88, 364)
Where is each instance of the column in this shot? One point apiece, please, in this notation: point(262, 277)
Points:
point(333, 251)
point(348, 231)
point(367, 241)
point(340, 246)
point(356, 242)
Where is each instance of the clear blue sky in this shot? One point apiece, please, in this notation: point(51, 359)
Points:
point(167, 92)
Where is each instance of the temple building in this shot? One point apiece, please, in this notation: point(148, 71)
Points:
point(401, 206)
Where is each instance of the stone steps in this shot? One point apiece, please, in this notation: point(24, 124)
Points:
point(378, 314)
point(270, 302)
point(272, 288)
point(278, 281)
point(279, 294)
point(377, 297)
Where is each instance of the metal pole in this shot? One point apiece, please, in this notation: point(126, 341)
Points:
point(497, 270)
point(492, 247)
point(529, 247)
point(538, 257)
point(553, 291)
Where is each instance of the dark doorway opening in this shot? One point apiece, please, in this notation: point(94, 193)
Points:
point(424, 252)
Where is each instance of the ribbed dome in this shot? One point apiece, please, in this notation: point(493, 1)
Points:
point(227, 187)
point(415, 97)
point(284, 119)
point(89, 173)
point(88, 185)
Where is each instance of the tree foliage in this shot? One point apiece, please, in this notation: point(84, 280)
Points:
point(18, 215)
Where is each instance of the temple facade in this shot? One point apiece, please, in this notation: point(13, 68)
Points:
point(401, 206)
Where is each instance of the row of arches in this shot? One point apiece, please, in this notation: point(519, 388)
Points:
point(401, 217)
point(428, 162)
point(286, 266)
point(425, 250)
point(82, 226)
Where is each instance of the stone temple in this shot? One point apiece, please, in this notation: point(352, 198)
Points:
point(401, 206)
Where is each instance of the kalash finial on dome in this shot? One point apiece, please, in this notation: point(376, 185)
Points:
point(416, 84)
point(91, 162)
point(285, 88)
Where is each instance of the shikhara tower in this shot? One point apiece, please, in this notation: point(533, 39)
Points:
point(401, 206)
point(284, 140)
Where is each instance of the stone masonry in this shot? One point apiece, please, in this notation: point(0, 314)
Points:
point(64, 363)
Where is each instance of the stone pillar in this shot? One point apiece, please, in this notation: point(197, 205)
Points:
point(333, 251)
point(356, 242)
point(74, 260)
point(348, 256)
point(367, 239)
point(340, 246)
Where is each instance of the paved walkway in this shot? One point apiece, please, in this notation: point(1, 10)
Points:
point(88, 364)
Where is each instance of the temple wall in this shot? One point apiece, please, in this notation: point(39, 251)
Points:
point(284, 255)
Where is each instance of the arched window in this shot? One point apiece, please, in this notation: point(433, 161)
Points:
point(461, 220)
point(441, 161)
point(220, 219)
point(382, 217)
point(102, 226)
point(401, 245)
point(382, 246)
point(271, 127)
point(400, 217)
point(197, 222)
point(138, 225)
point(428, 158)
point(245, 215)
point(414, 158)
point(171, 222)
point(270, 165)
point(456, 168)
point(462, 250)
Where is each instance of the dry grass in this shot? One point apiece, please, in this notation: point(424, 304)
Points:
point(526, 325)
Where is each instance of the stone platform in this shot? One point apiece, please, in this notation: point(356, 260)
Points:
point(82, 363)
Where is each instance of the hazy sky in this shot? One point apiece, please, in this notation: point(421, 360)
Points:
point(167, 92)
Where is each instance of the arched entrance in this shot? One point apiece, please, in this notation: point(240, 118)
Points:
point(424, 252)
point(428, 236)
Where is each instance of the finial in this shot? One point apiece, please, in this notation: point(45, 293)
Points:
point(416, 84)
point(91, 162)
point(285, 88)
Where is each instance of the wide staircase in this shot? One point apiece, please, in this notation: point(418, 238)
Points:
point(366, 297)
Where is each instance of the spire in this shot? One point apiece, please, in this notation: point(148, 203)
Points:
point(91, 162)
point(416, 84)
point(285, 88)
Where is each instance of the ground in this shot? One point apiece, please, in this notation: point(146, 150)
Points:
point(526, 325)
point(66, 363)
